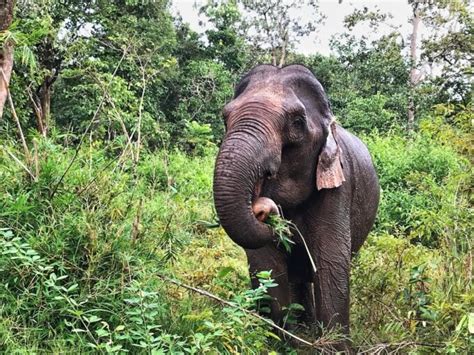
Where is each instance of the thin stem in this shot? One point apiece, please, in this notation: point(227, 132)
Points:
point(140, 113)
point(21, 164)
point(305, 245)
point(15, 117)
point(317, 344)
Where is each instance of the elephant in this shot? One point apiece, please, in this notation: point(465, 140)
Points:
point(283, 152)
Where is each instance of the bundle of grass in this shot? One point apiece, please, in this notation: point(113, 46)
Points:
point(285, 230)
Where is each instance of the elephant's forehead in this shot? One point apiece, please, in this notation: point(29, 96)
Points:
point(265, 88)
point(266, 92)
point(269, 88)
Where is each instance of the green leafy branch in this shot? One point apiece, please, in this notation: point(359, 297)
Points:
point(284, 230)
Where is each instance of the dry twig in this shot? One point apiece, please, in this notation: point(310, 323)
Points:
point(21, 164)
point(320, 344)
point(395, 348)
point(15, 117)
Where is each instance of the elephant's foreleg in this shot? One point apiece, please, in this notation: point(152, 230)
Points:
point(303, 294)
point(332, 286)
point(330, 245)
point(266, 259)
point(301, 283)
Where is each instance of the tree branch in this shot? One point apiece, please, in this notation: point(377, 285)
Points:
point(15, 117)
point(21, 164)
point(320, 344)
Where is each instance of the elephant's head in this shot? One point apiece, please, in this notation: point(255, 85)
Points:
point(279, 148)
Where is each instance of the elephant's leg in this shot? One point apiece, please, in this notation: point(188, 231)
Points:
point(328, 236)
point(332, 256)
point(271, 258)
point(301, 283)
point(332, 280)
point(303, 294)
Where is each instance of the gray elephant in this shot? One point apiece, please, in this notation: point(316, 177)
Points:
point(283, 147)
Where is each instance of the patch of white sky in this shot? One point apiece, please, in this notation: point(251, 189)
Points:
point(335, 12)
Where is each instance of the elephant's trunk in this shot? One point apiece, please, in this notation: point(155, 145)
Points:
point(243, 160)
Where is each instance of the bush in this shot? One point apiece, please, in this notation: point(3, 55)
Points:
point(362, 115)
point(415, 268)
point(81, 257)
point(414, 293)
point(420, 180)
point(201, 92)
point(79, 267)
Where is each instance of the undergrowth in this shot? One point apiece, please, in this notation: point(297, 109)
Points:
point(80, 258)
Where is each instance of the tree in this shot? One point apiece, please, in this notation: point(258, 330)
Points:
point(446, 50)
point(226, 38)
point(118, 73)
point(374, 18)
point(275, 27)
point(86, 52)
point(198, 94)
point(450, 51)
point(369, 70)
point(414, 73)
point(6, 50)
point(48, 29)
point(188, 44)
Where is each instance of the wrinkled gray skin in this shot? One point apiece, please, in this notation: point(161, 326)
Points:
point(277, 126)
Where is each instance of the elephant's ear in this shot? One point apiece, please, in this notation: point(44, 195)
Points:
point(329, 172)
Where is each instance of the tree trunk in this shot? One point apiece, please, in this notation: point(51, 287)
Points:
point(6, 52)
point(413, 72)
point(283, 51)
point(45, 105)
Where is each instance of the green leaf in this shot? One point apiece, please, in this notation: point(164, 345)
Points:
point(224, 271)
point(72, 288)
point(102, 332)
point(92, 319)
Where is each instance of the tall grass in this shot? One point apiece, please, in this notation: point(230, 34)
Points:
point(79, 271)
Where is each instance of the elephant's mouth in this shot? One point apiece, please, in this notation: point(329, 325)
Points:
point(263, 207)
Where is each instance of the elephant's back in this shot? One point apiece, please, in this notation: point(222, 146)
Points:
point(358, 165)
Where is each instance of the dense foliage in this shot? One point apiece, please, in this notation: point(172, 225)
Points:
point(110, 197)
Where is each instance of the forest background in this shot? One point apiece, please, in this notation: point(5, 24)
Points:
point(109, 129)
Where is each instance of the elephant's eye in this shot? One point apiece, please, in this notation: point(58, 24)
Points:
point(299, 122)
point(297, 128)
